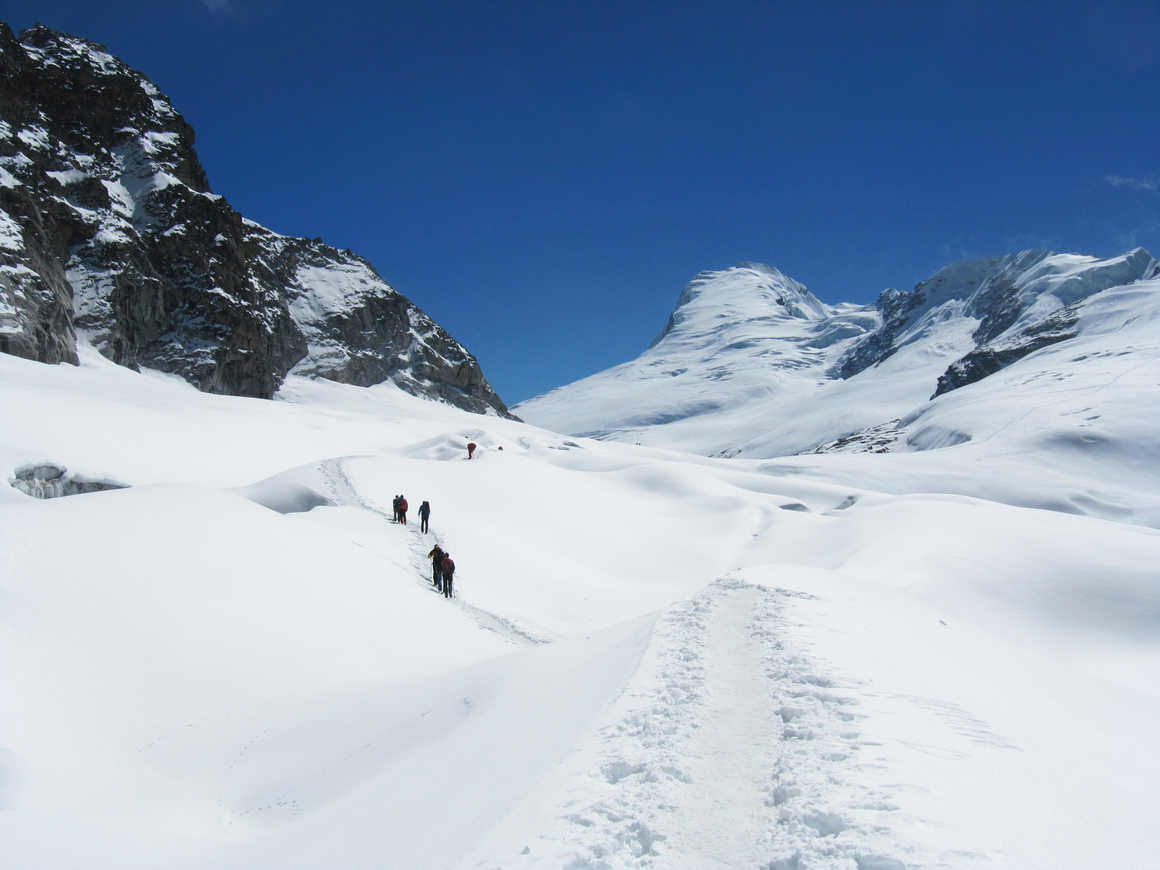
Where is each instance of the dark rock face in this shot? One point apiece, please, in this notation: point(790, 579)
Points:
point(895, 307)
point(986, 360)
point(108, 226)
point(35, 298)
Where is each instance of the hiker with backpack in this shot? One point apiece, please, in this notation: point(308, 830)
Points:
point(436, 556)
point(424, 515)
point(395, 508)
point(448, 574)
point(403, 509)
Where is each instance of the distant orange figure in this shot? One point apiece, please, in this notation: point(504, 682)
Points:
point(470, 448)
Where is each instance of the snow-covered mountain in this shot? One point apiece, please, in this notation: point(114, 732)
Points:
point(753, 364)
point(935, 643)
point(110, 234)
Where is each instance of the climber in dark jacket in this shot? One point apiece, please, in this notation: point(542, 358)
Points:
point(424, 515)
point(448, 574)
point(436, 557)
point(395, 507)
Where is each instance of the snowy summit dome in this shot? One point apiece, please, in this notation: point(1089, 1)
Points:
point(748, 293)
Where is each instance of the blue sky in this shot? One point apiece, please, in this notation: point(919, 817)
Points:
point(544, 178)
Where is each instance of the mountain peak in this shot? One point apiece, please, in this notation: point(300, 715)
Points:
point(747, 293)
point(752, 362)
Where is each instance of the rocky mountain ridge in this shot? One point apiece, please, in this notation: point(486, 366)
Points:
point(1021, 302)
point(109, 230)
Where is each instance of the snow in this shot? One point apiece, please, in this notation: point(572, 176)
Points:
point(103, 61)
point(20, 159)
point(67, 176)
point(10, 319)
point(11, 235)
point(254, 225)
point(91, 291)
point(1063, 279)
point(942, 656)
point(162, 108)
point(122, 200)
point(738, 374)
point(654, 659)
point(40, 55)
point(110, 235)
point(34, 137)
point(155, 143)
point(333, 288)
point(323, 291)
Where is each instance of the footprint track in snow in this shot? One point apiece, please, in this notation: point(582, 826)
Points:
point(343, 492)
point(726, 750)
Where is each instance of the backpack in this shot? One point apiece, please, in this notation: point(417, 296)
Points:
point(402, 504)
point(448, 567)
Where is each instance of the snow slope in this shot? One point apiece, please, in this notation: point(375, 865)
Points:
point(753, 365)
point(857, 662)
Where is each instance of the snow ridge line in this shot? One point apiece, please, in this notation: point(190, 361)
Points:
point(344, 493)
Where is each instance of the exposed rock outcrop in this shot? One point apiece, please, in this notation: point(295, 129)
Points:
point(1019, 302)
point(895, 307)
point(108, 227)
point(986, 360)
point(53, 481)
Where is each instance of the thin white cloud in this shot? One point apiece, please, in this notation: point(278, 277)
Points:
point(1134, 182)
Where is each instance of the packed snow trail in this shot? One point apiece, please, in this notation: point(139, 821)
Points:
point(419, 545)
point(727, 749)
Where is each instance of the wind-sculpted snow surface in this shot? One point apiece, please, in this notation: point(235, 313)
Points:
point(751, 364)
point(653, 659)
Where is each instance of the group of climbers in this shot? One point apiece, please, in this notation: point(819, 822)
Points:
point(442, 570)
point(442, 567)
point(400, 505)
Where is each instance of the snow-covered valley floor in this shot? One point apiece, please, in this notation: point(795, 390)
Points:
point(653, 660)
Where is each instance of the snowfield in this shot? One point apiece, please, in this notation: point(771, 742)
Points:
point(945, 657)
